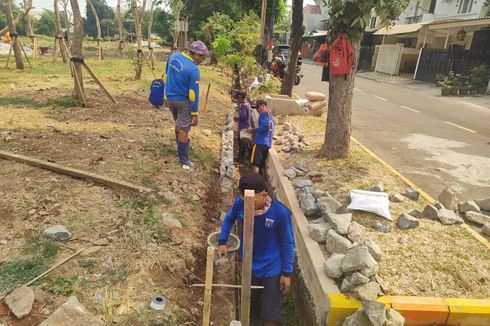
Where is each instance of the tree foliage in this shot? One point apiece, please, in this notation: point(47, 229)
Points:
point(162, 24)
point(21, 26)
point(103, 11)
point(45, 25)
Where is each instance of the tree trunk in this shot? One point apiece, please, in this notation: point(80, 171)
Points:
point(30, 32)
point(99, 34)
point(17, 19)
point(137, 22)
point(150, 21)
point(59, 34)
point(120, 27)
point(294, 47)
point(67, 18)
point(7, 7)
point(176, 7)
point(338, 130)
point(76, 49)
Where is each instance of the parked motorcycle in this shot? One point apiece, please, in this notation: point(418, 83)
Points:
point(279, 65)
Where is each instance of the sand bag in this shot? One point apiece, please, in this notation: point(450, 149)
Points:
point(370, 201)
point(315, 106)
point(315, 96)
point(317, 113)
point(246, 135)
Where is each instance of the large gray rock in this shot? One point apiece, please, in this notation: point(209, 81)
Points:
point(468, 206)
point(376, 312)
point(394, 318)
point(318, 193)
point(333, 265)
point(356, 259)
point(477, 218)
point(340, 222)
point(378, 187)
point(359, 318)
point(57, 232)
point(406, 221)
point(371, 269)
point(382, 283)
point(20, 301)
point(301, 183)
point(374, 250)
point(483, 203)
point(368, 291)
point(382, 227)
point(412, 194)
point(416, 213)
point(486, 229)
point(170, 197)
point(358, 279)
point(431, 212)
point(356, 233)
point(448, 199)
point(318, 231)
point(447, 216)
point(170, 220)
point(396, 197)
point(328, 205)
point(335, 243)
point(72, 313)
point(346, 286)
point(290, 173)
point(308, 204)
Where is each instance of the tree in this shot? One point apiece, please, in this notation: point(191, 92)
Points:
point(30, 31)
point(137, 15)
point(97, 24)
point(76, 50)
point(7, 7)
point(176, 7)
point(19, 18)
point(350, 17)
point(45, 25)
point(162, 24)
point(103, 12)
point(199, 11)
point(59, 40)
point(66, 15)
point(294, 47)
point(119, 28)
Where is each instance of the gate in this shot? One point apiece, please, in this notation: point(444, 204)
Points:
point(366, 58)
point(438, 62)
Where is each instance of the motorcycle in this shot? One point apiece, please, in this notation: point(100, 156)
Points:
point(279, 65)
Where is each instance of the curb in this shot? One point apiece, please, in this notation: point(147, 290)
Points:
point(472, 232)
point(418, 311)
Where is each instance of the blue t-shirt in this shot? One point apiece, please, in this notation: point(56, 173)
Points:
point(273, 245)
point(265, 130)
point(182, 80)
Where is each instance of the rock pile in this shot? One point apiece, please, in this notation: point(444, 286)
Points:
point(291, 139)
point(227, 167)
point(317, 103)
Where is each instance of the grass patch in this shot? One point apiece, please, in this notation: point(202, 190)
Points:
point(63, 101)
point(202, 155)
point(18, 100)
point(63, 285)
point(19, 271)
point(42, 247)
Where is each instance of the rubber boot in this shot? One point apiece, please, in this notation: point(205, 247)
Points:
point(183, 152)
point(187, 160)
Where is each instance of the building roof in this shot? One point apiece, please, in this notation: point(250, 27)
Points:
point(456, 22)
point(400, 29)
point(312, 9)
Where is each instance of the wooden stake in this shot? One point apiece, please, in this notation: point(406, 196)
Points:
point(98, 82)
point(207, 96)
point(233, 286)
point(248, 240)
point(78, 83)
point(10, 51)
point(208, 288)
point(25, 54)
point(75, 172)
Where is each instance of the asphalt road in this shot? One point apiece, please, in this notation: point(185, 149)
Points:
point(435, 142)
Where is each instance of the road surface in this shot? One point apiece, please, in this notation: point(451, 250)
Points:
point(435, 142)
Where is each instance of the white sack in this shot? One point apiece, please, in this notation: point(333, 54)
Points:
point(370, 201)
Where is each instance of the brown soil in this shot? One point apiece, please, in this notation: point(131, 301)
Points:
point(128, 141)
point(431, 260)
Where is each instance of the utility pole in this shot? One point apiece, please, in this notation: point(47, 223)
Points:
point(261, 36)
point(271, 35)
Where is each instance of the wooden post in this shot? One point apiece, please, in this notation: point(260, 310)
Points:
point(207, 96)
point(248, 240)
point(208, 287)
point(98, 82)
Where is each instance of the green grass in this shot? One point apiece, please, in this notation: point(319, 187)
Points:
point(19, 271)
point(63, 101)
point(18, 100)
point(63, 285)
point(42, 247)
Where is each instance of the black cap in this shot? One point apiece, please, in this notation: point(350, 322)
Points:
point(251, 181)
point(241, 94)
point(260, 102)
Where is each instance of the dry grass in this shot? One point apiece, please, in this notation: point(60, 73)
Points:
point(432, 260)
point(128, 141)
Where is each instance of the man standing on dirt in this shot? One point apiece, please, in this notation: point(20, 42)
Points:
point(182, 94)
point(263, 136)
point(244, 122)
point(273, 250)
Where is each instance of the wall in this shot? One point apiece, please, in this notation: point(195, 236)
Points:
point(313, 22)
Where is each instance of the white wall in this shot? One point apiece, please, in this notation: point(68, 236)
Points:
point(313, 21)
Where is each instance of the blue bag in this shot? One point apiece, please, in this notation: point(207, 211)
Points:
point(157, 90)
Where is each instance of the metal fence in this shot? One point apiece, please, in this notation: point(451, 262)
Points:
point(438, 62)
point(366, 58)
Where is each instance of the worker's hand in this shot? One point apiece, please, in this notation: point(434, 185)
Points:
point(285, 284)
point(195, 119)
point(222, 251)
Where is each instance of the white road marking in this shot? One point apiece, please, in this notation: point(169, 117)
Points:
point(461, 127)
point(409, 108)
point(357, 89)
point(381, 98)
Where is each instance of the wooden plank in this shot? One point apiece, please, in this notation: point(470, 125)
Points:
point(75, 172)
point(221, 285)
point(208, 287)
point(248, 240)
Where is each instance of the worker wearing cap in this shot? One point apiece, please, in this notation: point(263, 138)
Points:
point(263, 136)
point(182, 94)
point(273, 249)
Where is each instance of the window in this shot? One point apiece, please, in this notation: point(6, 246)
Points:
point(372, 24)
point(465, 6)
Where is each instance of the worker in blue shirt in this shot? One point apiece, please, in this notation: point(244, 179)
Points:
point(273, 249)
point(263, 136)
point(182, 94)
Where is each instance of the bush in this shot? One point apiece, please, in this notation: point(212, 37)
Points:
point(479, 77)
